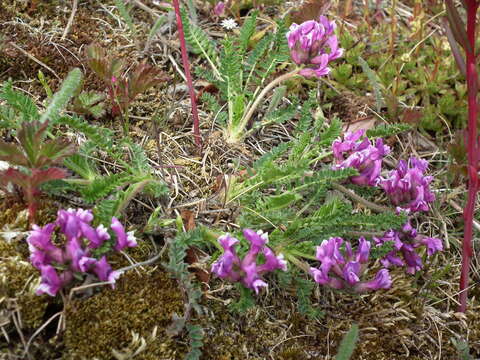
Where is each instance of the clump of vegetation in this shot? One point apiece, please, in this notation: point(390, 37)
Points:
point(344, 221)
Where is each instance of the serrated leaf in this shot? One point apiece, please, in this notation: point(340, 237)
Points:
point(61, 98)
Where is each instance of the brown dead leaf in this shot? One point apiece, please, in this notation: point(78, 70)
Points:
point(193, 257)
point(188, 218)
point(310, 10)
point(364, 124)
point(411, 116)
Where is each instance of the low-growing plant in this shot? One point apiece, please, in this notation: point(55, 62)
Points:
point(190, 290)
point(71, 247)
point(31, 162)
point(243, 76)
point(413, 77)
point(122, 89)
point(303, 206)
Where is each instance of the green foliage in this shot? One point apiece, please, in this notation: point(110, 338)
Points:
point(111, 193)
point(240, 74)
point(18, 105)
point(419, 75)
point(463, 349)
point(125, 14)
point(90, 103)
point(200, 42)
point(347, 346)
point(372, 78)
point(62, 97)
point(386, 130)
point(285, 192)
point(46, 87)
point(101, 137)
point(179, 269)
point(304, 292)
point(195, 334)
point(245, 302)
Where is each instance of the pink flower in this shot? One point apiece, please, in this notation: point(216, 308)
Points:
point(308, 43)
point(219, 8)
point(344, 271)
point(123, 239)
point(361, 155)
point(247, 271)
point(405, 242)
point(408, 187)
point(60, 265)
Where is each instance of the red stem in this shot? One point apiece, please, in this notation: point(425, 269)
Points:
point(186, 67)
point(472, 153)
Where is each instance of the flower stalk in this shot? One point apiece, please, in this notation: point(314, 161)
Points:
point(186, 67)
point(472, 151)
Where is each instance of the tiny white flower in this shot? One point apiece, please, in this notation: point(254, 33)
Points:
point(229, 24)
point(4, 165)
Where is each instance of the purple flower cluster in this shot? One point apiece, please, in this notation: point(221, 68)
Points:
point(408, 187)
point(361, 155)
point(309, 42)
point(59, 265)
point(248, 271)
point(405, 242)
point(341, 270)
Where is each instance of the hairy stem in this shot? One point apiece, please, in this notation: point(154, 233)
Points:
point(472, 153)
point(361, 200)
point(246, 118)
point(186, 68)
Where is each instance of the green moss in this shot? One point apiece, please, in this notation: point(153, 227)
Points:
point(106, 321)
point(293, 353)
point(18, 280)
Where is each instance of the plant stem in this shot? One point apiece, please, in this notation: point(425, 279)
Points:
point(186, 68)
point(233, 133)
point(472, 153)
point(361, 200)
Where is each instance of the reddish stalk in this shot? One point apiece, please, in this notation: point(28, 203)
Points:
point(186, 67)
point(472, 153)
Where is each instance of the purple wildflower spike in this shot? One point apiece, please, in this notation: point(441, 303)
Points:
point(104, 271)
point(58, 265)
point(42, 249)
point(309, 42)
point(363, 250)
point(272, 262)
point(361, 155)
point(223, 267)
point(408, 187)
point(405, 243)
point(340, 271)
point(433, 245)
point(351, 272)
point(247, 271)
